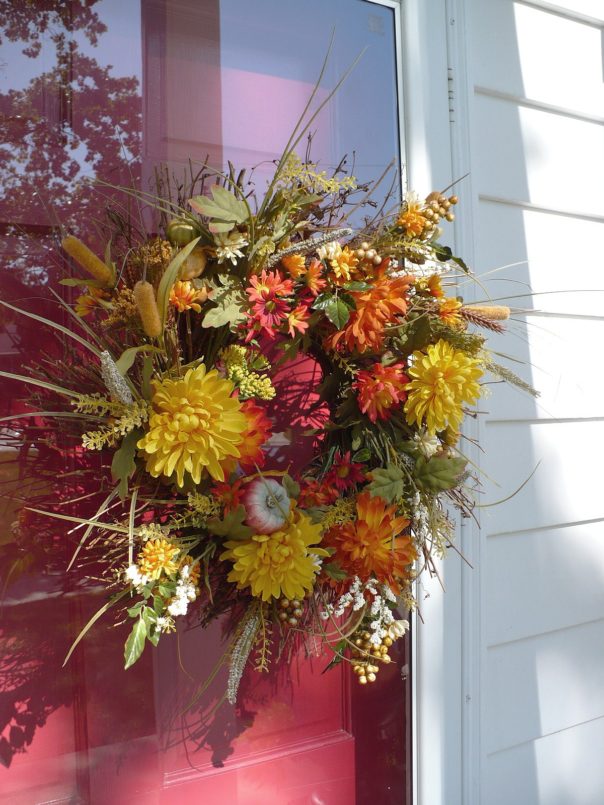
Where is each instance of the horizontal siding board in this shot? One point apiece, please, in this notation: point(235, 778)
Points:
point(540, 157)
point(537, 260)
point(557, 358)
point(543, 684)
point(544, 580)
point(565, 488)
point(505, 57)
point(561, 769)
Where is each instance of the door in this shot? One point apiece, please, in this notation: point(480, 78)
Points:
point(109, 90)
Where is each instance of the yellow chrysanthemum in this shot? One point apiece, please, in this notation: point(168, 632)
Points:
point(158, 556)
point(281, 563)
point(196, 424)
point(442, 380)
point(344, 265)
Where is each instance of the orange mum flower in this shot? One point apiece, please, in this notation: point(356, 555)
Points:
point(380, 388)
point(184, 296)
point(229, 494)
point(295, 264)
point(434, 287)
point(258, 431)
point(313, 493)
point(373, 545)
point(375, 308)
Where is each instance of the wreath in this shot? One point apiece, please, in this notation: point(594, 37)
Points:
point(278, 398)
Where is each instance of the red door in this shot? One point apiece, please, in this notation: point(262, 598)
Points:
point(110, 89)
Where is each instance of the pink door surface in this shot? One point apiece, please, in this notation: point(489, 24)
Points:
point(109, 89)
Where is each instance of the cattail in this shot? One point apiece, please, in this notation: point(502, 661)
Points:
point(88, 260)
point(491, 312)
point(144, 297)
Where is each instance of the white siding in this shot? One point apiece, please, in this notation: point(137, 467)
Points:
point(534, 605)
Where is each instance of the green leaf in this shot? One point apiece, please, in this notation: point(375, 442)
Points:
point(135, 611)
point(225, 210)
point(334, 571)
point(387, 483)
point(128, 356)
point(72, 282)
point(439, 472)
point(338, 656)
point(291, 487)
point(338, 313)
point(169, 277)
point(362, 455)
point(65, 330)
point(135, 643)
point(158, 605)
point(231, 526)
point(32, 381)
point(357, 286)
point(458, 261)
point(442, 253)
point(230, 301)
point(123, 464)
point(322, 301)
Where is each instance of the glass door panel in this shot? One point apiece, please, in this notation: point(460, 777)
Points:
point(107, 90)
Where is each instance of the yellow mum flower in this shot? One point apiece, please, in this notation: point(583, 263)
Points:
point(281, 563)
point(442, 380)
point(158, 556)
point(344, 265)
point(196, 424)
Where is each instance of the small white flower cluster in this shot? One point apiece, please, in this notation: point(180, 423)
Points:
point(184, 594)
point(135, 577)
point(329, 251)
point(354, 597)
point(421, 519)
point(165, 624)
point(381, 617)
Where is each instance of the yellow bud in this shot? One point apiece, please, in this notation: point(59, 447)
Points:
point(87, 259)
point(144, 296)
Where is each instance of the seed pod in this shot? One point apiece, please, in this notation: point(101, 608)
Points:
point(144, 297)
point(194, 265)
point(87, 259)
point(179, 233)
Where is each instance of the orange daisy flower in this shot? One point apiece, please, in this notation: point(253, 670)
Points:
point(86, 303)
point(373, 545)
point(313, 493)
point(229, 494)
point(375, 308)
point(313, 279)
point(298, 320)
point(379, 388)
point(184, 296)
point(269, 308)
